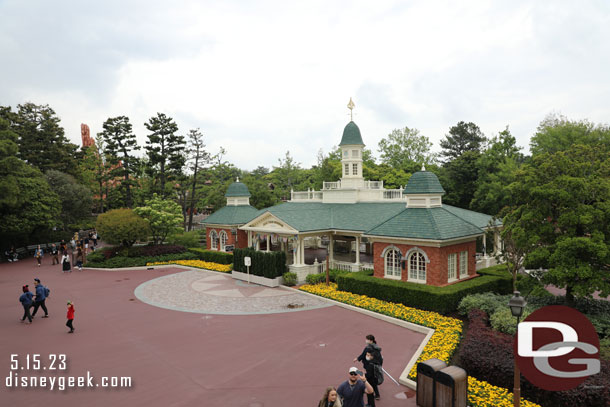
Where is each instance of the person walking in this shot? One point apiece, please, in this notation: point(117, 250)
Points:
point(65, 263)
point(54, 254)
point(79, 259)
point(86, 241)
point(375, 359)
point(26, 300)
point(63, 247)
point(330, 398)
point(73, 243)
point(94, 238)
point(352, 390)
point(70, 316)
point(39, 253)
point(42, 293)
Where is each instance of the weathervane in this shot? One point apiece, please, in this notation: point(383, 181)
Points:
point(351, 106)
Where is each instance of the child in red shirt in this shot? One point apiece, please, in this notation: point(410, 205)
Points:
point(70, 316)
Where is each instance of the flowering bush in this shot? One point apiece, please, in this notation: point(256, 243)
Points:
point(225, 268)
point(442, 344)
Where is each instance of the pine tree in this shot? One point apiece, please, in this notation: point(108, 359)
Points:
point(165, 148)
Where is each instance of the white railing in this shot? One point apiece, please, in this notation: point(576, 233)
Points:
point(373, 184)
point(392, 194)
point(331, 185)
point(344, 266)
point(367, 266)
point(306, 195)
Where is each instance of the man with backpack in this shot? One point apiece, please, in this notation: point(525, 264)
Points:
point(372, 361)
point(42, 293)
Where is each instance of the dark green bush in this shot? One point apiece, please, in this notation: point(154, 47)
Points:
point(212, 255)
point(120, 261)
point(186, 239)
point(290, 279)
point(264, 264)
point(316, 278)
point(439, 299)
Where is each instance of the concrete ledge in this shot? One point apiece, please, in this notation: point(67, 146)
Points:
point(267, 282)
point(404, 376)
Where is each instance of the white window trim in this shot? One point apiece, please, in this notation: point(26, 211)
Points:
point(455, 268)
point(465, 263)
point(354, 169)
point(385, 255)
point(411, 253)
point(213, 241)
point(346, 169)
point(223, 244)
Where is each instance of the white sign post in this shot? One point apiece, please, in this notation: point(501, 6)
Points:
point(248, 263)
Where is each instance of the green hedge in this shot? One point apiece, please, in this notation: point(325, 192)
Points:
point(264, 264)
point(212, 255)
point(439, 299)
point(120, 261)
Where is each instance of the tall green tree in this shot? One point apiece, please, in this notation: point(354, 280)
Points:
point(94, 170)
point(42, 140)
point(405, 146)
point(165, 148)
point(462, 137)
point(119, 149)
point(558, 133)
point(76, 199)
point(164, 217)
point(28, 206)
point(459, 178)
point(199, 157)
point(562, 203)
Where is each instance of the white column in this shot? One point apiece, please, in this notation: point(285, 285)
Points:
point(302, 256)
point(331, 247)
point(295, 252)
point(258, 244)
point(249, 238)
point(268, 242)
point(497, 242)
point(357, 249)
point(485, 245)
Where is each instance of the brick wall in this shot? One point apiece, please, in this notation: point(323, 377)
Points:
point(436, 269)
point(230, 237)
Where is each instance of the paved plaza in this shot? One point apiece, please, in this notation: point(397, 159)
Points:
point(188, 337)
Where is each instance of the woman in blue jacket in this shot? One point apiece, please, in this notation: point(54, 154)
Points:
point(26, 301)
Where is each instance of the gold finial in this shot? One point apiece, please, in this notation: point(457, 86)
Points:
point(351, 106)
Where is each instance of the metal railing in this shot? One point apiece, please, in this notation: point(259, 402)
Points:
point(392, 194)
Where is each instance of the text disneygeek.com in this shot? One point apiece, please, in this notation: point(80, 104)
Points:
point(21, 366)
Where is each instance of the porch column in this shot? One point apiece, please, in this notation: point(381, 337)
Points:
point(302, 256)
point(268, 242)
point(357, 249)
point(485, 245)
point(331, 248)
point(258, 244)
point(295, 252)
point(497, 242)
point(249, 238)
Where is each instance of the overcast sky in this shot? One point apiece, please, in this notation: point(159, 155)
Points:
point(263, 77)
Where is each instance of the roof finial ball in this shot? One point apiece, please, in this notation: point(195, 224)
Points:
point(423, 167)
point(351, 106)
point(237, 179)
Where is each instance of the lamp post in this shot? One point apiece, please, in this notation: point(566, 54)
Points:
point(517, 303)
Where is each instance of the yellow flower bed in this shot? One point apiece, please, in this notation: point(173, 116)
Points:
point(200, 264)
point(442, 344)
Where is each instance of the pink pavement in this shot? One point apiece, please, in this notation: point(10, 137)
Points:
point(180, 358)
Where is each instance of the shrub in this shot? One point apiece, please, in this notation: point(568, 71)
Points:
point(164, 217)
point(212, 255)
point(333, 274)
point(270, 265)
point(502, 320)
point(290, 279)
point(121, 261)
point(604, 351)
point(487, 302)
point(438, 299)
point(154, 251)
point(186, 239)
point(316, 278)
point(225, 268)
point(122, 226)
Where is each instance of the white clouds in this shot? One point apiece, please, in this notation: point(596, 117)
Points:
point(262, 78)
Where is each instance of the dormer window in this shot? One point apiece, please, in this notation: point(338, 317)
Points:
point(345, 153)
point(355, 153)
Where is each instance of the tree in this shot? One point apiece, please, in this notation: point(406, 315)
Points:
point(405, 146)
point(120, 145)
point(164, 217)
point(95, 171)
point(199, 157)
point(561, 201)
point(76, 201)
point(459, 179)
point(557, 133)
point(462, 137)
point(122, 226)
point(42, 142)
point(165, 148)
point(27, 204)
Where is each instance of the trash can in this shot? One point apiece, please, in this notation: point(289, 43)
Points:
point(425, 381)
point(451, 387)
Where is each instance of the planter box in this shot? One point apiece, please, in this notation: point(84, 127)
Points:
point(268, 282)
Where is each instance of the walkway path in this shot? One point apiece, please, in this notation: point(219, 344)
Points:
point(184, 358)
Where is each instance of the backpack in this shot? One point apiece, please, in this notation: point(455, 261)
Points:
point(378, 374)
point(46, 291)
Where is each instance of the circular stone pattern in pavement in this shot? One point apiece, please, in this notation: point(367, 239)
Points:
point(208, 292)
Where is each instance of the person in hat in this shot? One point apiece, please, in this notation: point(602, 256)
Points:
point(26, 301)
point(70, 316)
point(368, 362)
point(352, 390)
point(41, 296)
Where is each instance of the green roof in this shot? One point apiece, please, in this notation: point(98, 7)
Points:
point(476, 218)
point(426, 223)
point(351, 135)
point(237, 189)
point(424, 182)
point(231, 215)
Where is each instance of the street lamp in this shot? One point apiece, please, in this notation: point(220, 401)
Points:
point(517, 303)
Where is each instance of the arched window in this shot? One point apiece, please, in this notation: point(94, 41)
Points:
point(392, 264)
point(213, 240)
point(417, 268)
point(223, 240)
